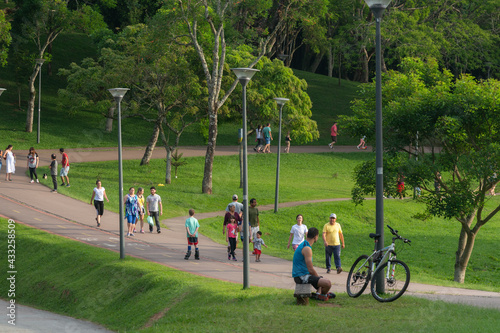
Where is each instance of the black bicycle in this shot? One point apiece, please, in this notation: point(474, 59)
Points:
point(396, 273)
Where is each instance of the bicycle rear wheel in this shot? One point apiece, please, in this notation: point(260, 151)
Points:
point(358, 277)
point(395, 285)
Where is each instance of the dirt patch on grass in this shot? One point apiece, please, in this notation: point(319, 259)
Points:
point(159, 315)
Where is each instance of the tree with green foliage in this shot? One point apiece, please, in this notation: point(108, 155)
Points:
point(458, 160)
point(5, 38)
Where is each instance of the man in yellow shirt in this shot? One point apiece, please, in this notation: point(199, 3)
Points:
point(333, 237)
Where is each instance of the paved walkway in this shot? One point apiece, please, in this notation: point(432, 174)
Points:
point(34, 205)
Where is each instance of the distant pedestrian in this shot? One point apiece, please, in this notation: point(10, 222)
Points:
point(32, 164)
point(287, 141)
point(64, 167)
point(333, 134)
point(98, 196)
point(192, 227)
point(231, 234)
point(131, 210)
point(53, 171)
point(253, 218)
point(297, 232)
point(401, 186)
point(259, 138)
point(332, 238)
point(437, 183)
point(155, 208)
point(268, 136)
point(257, 245)
point(362, 143)
point(1, 158)
point(238, 206)
point(10, 162)
point(142, 209)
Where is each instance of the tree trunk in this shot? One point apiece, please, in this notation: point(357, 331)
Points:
point(31, 102)
point(364, 63)
point(340, 68)
point(168, 169)
point(209, 156)
point(464, 251)
point(316, 62)
point(152, 142)
point(331, 60)
point(109, 119)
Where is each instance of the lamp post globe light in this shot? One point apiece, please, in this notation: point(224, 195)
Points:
point(39, 62)
point(244, 75)
point(2, 90)
point(281, 102)
point(378, 7)
point(118, 94)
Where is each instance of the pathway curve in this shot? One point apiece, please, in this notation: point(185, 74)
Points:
point(36, 206)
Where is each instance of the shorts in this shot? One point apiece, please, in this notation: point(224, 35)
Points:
point(268, 141)
point(334, 138)
point(253, 231)
point(305, 279)
point(99, 207)
point(131, 219)
point(142, 211)
point(64, 171)
point(192, 240)
point(257, 251)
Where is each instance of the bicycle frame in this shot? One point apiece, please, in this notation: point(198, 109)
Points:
point(389, 255)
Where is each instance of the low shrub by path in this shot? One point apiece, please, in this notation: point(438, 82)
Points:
point(132, 295)
point(430, 257)
point(302, 177)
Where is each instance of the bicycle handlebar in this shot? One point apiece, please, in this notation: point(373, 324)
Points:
point(395, 233)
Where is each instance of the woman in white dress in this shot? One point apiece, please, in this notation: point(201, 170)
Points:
point(10, 162)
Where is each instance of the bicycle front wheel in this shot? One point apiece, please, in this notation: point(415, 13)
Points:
point(396, 275)
point(358, 277)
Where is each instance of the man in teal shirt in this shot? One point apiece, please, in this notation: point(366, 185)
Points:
point(192, 227)
point(268, 136)
point(303, 271)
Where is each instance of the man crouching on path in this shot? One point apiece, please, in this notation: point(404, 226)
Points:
point(303, 271)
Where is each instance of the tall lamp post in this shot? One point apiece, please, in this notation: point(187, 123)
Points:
point(281, 102)
point(378, 7)
point(118, 94)
point(244, 75)
point(39, 62)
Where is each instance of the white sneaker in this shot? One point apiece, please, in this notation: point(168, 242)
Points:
point(357, 147)
point(330, 145)
point(37, 181)
point(32, 181)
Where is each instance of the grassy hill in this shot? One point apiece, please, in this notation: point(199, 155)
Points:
point(60, 128)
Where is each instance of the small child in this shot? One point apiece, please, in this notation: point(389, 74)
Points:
point(287, 140)
point(192, 227)
point(257, 245)
point(362, 143)
point(53, 172)
point(232, 232)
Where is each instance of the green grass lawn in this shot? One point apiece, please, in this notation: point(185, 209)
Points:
point(431, 254)
point(302, 177)
point(132, 295)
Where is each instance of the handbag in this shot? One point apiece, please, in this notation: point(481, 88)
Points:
point(150, 220)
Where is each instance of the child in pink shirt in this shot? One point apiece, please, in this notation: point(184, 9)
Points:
point(232, 232)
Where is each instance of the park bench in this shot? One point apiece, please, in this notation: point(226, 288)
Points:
point(302, 293)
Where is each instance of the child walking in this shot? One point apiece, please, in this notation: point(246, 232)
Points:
point(257, 245)
point(53, 172)
point(232, 232)
point(192, 227)
point(287, 140)
point(33, 164)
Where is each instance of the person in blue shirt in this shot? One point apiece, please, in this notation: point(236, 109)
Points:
point(303, 271)
point(192, 227)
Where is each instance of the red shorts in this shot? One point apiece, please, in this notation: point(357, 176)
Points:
point(192, 240)
point(257, 251)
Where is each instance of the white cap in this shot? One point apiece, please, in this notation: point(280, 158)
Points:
point(333, 215)
point(235, 197)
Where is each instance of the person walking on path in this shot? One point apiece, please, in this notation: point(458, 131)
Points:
point(142, 210)
point(53, 171)
point(232, 232)
point(333, 237)
point(131, 210)
point(192, 227)
point(333, 134)
point(268, 136)
point(238, 206)
point(259, 138)
point(287, 141)
point(64, 167)
point(32, 164)
point(297, 232)
point(10, 162)
point(362, 143)
point(1, 158)
point(257, 245)
point(253, 218)
point(303, 271)
point(227, 219)
point(98, 196)
point(155, 208)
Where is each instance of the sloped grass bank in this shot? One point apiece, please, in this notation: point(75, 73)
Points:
point(133, 295)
